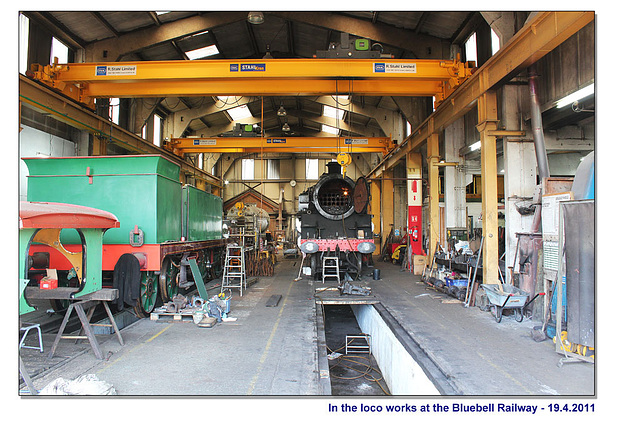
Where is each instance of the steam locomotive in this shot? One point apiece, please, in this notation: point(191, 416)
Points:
point(334, 222)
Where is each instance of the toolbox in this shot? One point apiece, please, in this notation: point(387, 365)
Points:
point(50, 281)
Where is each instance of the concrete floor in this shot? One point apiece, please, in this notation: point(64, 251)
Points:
point(272, 351)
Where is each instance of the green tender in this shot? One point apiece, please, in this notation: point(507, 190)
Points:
point(142, 190)
point(201, 214)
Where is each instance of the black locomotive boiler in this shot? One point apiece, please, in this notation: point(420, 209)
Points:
point(334, 222)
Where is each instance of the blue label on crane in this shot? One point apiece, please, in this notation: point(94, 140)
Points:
point(276, 140)
point(233, 67)
point(101, 70)
point(253, 67)
point(379, 67)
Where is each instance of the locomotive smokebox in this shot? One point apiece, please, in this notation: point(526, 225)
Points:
point(333, 194)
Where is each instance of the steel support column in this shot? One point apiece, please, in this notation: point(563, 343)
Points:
point(375, 206)
point(433, 157)
point(387, 205)
point(487, 125)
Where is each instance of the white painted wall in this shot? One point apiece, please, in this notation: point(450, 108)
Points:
point(35, 143)
point(402, 374)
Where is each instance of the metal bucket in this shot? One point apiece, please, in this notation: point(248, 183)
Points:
point(376, 274)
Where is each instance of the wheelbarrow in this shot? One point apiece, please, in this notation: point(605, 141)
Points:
point(509, 297)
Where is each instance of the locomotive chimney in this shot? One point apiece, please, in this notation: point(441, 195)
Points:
point(334, 167)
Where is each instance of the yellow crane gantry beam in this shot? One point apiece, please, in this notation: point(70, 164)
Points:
point(181, 146)
point(84, 82)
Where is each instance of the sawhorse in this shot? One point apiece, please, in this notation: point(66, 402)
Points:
point(90, 302)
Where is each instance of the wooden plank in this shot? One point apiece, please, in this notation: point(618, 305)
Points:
point(106, 294)
point(274, 300)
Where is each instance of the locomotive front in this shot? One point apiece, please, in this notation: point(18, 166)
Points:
point(334, 221)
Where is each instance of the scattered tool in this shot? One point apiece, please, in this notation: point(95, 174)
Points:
point(348, 288)
point(300, 272)
point(207, 322)
point(472, 287)
point(539, 333)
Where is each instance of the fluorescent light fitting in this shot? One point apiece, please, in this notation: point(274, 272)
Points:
point(162, 12)
point(239, 113)
point(201, 33)
point(330, 129)
point(332, 112)
point(475, 146)
point(202, 52)
point(576, 96)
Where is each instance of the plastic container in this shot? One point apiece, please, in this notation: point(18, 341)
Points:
point(456, 282)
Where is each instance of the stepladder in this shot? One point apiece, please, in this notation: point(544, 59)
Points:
point(330, 268)
point(234, 274)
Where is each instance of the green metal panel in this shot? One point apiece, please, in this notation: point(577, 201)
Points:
point(92, 268)
point(25, 237)
point(139, 190)
point(197, 277)
point(202, 214)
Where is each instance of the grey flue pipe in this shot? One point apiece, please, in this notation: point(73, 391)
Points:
point(536, 125)
point(538, 139)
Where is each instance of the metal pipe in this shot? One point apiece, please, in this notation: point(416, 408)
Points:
point(536, 125)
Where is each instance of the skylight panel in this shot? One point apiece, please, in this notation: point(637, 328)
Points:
point(203, 52)
point(330, 129)
point(332, 112)
point(239, 113)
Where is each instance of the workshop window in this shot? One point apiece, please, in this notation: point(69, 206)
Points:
point(471, 49)
point(23, 41)
point(273, 168)
point(157, 130)
point(495, 42)
point(114, 110)
point(247, 169)
point(311, 168)
point(60, 51)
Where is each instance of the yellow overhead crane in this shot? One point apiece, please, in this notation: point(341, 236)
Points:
point(84, 82)
point(286, 144)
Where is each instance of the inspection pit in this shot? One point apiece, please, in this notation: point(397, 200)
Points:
point(403, 368)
